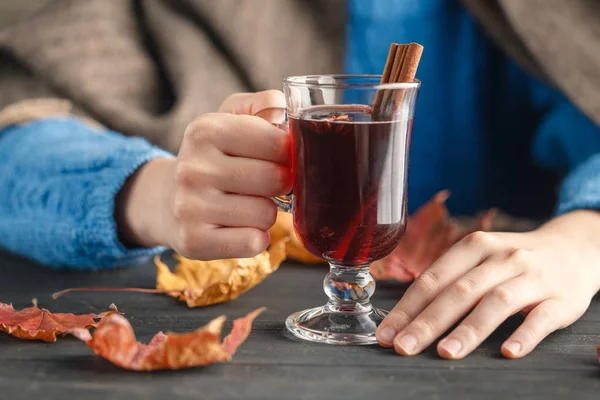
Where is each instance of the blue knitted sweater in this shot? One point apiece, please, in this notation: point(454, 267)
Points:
point(58, 181)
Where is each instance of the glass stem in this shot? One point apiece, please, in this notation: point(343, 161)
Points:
point(349, 289)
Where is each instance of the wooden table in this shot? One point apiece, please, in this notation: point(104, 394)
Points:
point(270, 365)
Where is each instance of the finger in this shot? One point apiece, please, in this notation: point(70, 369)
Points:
point(254, 137)
point(462, 257)
point(232, 210)
point(540, 322)
point(253, 103)
point(224, 243)
point(273, 115)
point(233, 175)
point(453, 304)
point(500, 303)
point(238, 135)
point(253, 177)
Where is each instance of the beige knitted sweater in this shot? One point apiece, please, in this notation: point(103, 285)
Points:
point(149, 67)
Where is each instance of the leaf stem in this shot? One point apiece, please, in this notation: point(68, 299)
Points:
point(95, 289)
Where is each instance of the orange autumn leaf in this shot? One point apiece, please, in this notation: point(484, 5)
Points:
point(202, 283)
point(430, 232)
point(40, 324)
point(284, 228)
point(115, 341)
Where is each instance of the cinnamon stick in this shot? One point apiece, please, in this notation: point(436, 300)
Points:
point(410, 63)
point(401, 66)
point(389, 64)
point(408, 71)
point(398, 63)
point(385, 77)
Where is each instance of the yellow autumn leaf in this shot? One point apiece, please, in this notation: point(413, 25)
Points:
point(284, 228)
point(201, 283)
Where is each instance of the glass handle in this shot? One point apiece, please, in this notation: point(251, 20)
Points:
point(272, 114)
point(284, 203)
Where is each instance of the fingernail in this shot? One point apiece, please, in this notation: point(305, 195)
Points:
point(513, 347)
point(408, 343)
point(386, 335)
point(452, 347)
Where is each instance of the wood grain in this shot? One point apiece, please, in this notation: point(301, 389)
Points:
point(270, 365)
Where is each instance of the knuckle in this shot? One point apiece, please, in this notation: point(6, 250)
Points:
point(272, 98)
point(520, 257)
point(399, 318)
point(182, 207)
point(426, 326)
point(273, 94)
point(236, 97)
point(240, 175)
point(203, 129)
point(184, 174)
point(470, 331)
point(479, 239)
point(240, 211)
point(503, 296)
point(544, 316)
point(233, 211)
point(539, 275)
point(197, 175)
point(235, 103)
point(464, 288)
point(427, 282)
point(530, 334)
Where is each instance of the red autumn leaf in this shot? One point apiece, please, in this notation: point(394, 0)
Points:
point(40, 324)
point(429, 234)
point(115, 341)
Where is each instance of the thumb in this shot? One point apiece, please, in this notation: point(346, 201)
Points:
point(268, 104)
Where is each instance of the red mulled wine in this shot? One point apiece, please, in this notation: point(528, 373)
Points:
point(349, 183)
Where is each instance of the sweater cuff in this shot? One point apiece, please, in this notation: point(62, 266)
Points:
point(32, 110)
point(97, 239)
point(581, 188)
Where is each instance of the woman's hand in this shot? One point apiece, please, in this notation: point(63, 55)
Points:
point(550, 275)
point(212, 201)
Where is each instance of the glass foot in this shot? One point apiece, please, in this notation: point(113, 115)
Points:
point(328, 325)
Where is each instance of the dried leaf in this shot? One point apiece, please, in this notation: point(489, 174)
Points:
point(115, 341)
point(429, 234)
point(284, 228)
point(40, 324)
point(201, 283)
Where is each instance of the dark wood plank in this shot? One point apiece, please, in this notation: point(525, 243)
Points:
point(271, 365)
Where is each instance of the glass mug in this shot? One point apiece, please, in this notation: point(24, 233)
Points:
point(350, 168)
